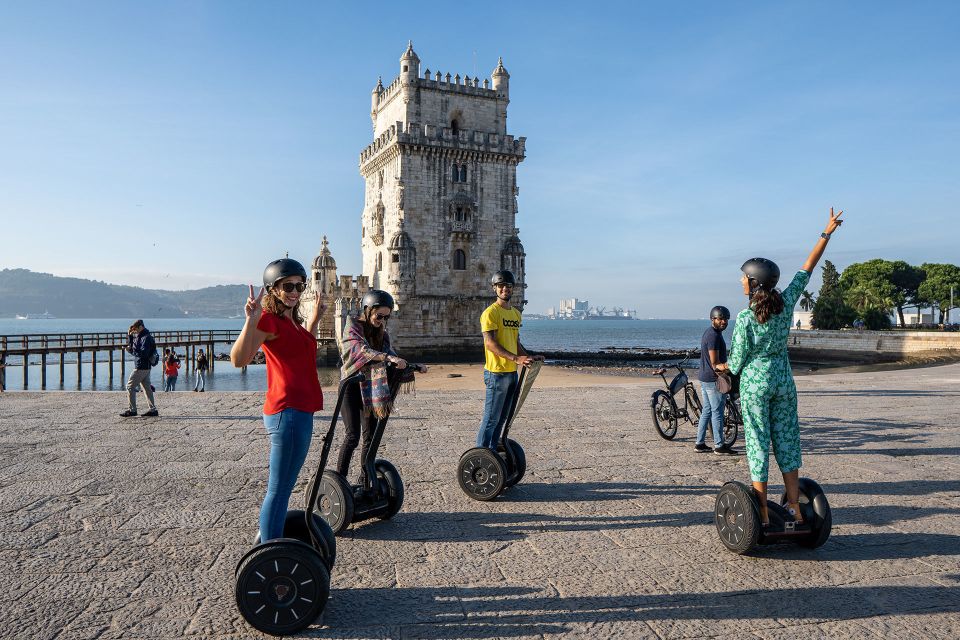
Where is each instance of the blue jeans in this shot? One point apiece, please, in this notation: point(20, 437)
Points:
point(712, 412)
point(290, 432)
point(170, 384)
point(500, 390)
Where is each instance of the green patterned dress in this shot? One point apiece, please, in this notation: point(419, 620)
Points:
point(768, 396)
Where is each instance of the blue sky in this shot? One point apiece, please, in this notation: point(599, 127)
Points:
point(181, 144)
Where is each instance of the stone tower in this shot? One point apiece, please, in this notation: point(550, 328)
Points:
point(440, 205)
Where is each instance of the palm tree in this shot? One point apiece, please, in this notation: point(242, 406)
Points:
point(806, 301)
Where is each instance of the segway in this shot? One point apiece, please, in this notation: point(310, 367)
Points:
point(380, 495)
point(738, 518)
point(484, 474)
point(282, 585)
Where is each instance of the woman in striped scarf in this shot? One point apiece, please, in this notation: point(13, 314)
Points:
point(366, 347)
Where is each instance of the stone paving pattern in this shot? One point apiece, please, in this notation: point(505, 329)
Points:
point(131, 528)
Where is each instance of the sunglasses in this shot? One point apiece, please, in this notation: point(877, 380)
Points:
point(503, 286)
point(290, 287)
point(382, 317)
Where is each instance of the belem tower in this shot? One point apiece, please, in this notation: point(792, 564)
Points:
point(440, 209)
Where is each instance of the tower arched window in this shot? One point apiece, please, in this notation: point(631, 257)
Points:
point(459, 260)
point(379, 262)
point(459, 215)
point(463, 173)
point(455, 174)
point(455, 125)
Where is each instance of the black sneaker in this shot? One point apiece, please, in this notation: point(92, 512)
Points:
point(725, 450)
point(153, 413)
point(702, 448)
point(128, 413)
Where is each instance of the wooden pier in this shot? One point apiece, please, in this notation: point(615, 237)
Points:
point(58, 345)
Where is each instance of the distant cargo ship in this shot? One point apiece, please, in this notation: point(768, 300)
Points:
point(46, 315)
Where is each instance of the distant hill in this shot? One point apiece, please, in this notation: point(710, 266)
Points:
point(23, 291)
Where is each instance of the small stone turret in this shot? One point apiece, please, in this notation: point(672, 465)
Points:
point(375, 96)
point(501, 81)
point(402, 270)
point(409, 65)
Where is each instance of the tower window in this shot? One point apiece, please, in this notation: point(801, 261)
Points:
point(404, 68)
point(455, 126)
point(396, 257)
point(379, 262)
point(459, 215)
point(463, 173)
point(459, 260)
point(456, 173)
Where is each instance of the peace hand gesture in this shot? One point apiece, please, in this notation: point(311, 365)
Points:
point(835, 221)
point(253, 309)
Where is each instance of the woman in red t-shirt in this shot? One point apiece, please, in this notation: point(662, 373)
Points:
point(293, 388)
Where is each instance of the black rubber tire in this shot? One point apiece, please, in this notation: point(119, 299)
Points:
point(388, 475)
point(694, 406)
point(295, 526)
point(521, 461)
point(735, 513)
point(335, 501)
point(282, 586)
point(664, 417)
point(482, 474)
point(816, 510)
point(731, 424)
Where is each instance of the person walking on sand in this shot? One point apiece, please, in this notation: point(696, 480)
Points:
point(273, 321)
point(500, 324)
point(201, 366)
point(144, 350)
point(713, 352)
point(768, 395)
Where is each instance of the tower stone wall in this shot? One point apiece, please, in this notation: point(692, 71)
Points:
point(440, 203)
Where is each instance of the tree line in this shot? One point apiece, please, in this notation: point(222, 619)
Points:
point(871, 291)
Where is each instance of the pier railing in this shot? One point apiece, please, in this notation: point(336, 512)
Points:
point(60, 344)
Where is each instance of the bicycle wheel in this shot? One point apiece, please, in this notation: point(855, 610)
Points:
point(664, 415)
point(694, 407)
point(731, 422)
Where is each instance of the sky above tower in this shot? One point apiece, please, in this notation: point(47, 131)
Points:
point(183, 144)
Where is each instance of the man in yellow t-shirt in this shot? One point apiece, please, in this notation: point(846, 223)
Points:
point(500, 324)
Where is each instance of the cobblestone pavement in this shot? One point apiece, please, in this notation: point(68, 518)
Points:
point(132, 528)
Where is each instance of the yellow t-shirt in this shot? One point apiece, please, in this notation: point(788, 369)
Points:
point(506, 322)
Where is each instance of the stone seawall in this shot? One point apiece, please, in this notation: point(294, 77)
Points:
point(873, 346)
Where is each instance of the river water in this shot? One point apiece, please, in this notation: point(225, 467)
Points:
point(536, 335)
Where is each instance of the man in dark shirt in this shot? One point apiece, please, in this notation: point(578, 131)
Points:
point(713, 351)
point(144, 350)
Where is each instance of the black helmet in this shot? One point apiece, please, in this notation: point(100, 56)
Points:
point(762, 273)
point(282, 268)
point(377, 298)
point(503, 277)
point(720, 312)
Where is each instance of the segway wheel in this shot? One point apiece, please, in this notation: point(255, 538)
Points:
point(295, 526)
point(482, 474)
point(335, 501)
point(664, 418)
point(736, 515)
point(282, 586)
point(815, 510)
point(389, 476)
point(514, 476)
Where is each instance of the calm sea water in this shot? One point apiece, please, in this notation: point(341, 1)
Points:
point(536, 335)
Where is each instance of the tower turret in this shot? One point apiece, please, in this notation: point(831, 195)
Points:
point(501, 80)
point(409, 65)
point(375, 96)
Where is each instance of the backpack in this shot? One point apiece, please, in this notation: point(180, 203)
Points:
point(155, 358)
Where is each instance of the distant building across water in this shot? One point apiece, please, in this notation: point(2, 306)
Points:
point(576, 309)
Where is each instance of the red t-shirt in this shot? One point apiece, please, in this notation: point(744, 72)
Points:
point(292, 381)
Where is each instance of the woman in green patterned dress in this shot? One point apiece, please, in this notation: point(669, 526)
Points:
point(758, 352)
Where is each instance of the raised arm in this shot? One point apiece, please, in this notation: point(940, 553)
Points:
point(818, 248)
point(251, 338)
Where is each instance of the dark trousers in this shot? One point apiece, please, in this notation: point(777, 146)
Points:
point(354, 422)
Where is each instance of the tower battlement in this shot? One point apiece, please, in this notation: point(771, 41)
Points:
point(431, 135)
